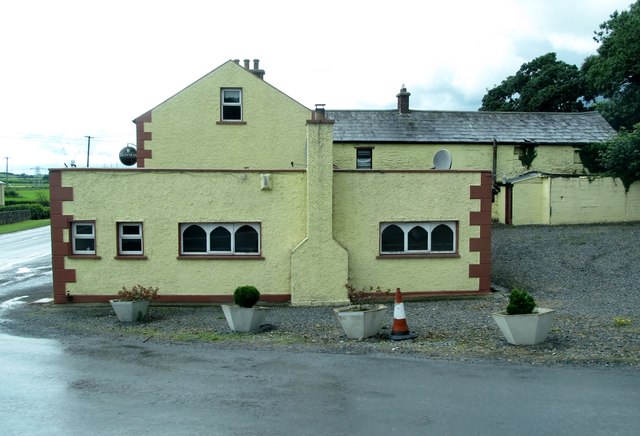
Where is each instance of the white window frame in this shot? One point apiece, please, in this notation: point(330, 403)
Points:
point(75, 236)
point(224, 104)
point(232, 228)
point(426, 225)
point(122, 236)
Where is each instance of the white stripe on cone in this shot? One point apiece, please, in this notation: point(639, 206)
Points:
point(398, 311)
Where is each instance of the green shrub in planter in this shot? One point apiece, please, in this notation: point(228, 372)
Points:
point(520, 303)
point(246, 296)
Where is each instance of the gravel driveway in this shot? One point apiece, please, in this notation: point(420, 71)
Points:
point(589, 273)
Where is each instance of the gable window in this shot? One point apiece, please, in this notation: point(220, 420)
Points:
point(364, 158)
point(130, 239)
point(417, 238)
point(83, 237)
point(231, 105)
point(223, 239)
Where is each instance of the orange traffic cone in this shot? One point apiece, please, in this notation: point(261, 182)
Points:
point(400, 329)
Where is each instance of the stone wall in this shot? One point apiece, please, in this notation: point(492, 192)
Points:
point(14, 216)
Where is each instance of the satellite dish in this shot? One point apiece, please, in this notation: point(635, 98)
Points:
point(442, 160)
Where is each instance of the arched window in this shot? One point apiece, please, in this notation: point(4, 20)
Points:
point(246, 240)
point(418, 239)
point(442, 238)
point(220, 239)
point(194, 239)
point(392, 239)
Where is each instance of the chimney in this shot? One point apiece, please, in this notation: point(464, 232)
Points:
point(403, 101)
point(236, 61)
point(319, 113)
point(256, 69)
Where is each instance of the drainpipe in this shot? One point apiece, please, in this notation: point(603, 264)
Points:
point(494, 164)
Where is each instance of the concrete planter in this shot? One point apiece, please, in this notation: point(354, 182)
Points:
point(244, 319)
point(363, 323)
point(129, 311)
point(527, 329)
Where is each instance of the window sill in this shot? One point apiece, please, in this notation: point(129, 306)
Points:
point(419, 256)
point(231, 123)
point(131, 257)
point(84, 256)
point(213, 257)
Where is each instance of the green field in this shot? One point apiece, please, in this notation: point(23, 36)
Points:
point(25, 189)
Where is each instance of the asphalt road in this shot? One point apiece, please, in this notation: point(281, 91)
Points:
point(104, 388)
point(25, 259)
point(100, 386)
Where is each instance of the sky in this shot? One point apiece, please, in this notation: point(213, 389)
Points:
point(77, 69)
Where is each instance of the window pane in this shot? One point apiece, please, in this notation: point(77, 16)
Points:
point(130, 229)
point(442, 238)
point(194, 240)
point(132, 245)
point(363, 158)
point(220, 239)
point(84, 229)
point(85, 244)
point(392, 239)
point(231, 112)
point(418, 239)
point(246, 240)
point(231, 96)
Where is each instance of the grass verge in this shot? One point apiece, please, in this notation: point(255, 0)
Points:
point(23, 225)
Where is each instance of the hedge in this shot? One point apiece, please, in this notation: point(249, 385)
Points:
point(37, 211)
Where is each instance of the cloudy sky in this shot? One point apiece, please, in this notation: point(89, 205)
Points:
point(72, 69)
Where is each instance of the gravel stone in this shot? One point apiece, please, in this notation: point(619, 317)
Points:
point(589, 273)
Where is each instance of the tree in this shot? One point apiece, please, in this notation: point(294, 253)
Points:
point(621, 156)
point(543, 85)
point(614, 72)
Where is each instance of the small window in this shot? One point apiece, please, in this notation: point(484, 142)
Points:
point(130, 239)
point(576, 157)
point(364, 158)
point(220, 239)
point(417, 238)
point(83, 238)
point(231, 102)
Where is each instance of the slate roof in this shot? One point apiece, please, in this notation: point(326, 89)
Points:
point(441, 127)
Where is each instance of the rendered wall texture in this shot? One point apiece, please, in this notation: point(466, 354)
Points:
point(161, 202)
point(414, 156)
point(570, 200)
point(555, 159)
point(185, 130)
point(550, 159)
point(582, 200)
point(531, 202)
point(319, 265)
point(362, 200)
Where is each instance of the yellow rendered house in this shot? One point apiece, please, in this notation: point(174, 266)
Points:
point(236, 183)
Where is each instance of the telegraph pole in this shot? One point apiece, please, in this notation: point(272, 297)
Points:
point(7, 170)
point(88, 148)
